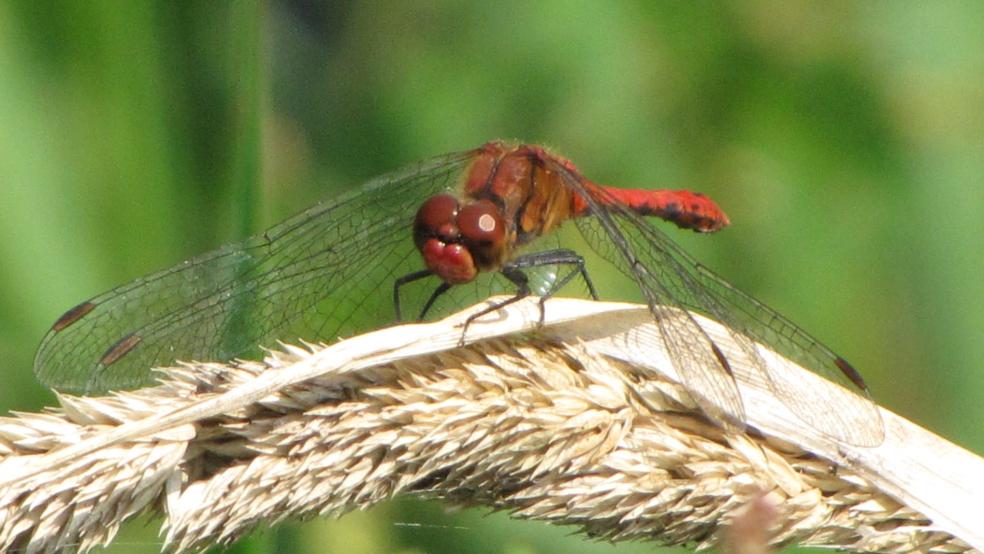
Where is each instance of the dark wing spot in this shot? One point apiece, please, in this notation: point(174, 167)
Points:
point(73, 315)
point(120, 349)
point(722, 360)
point(851, 373)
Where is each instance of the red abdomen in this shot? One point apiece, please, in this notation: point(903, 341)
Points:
point(688, 210)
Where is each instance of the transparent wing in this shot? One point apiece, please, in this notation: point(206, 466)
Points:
point(671, 279)
point(701, 366)
point(326, 272)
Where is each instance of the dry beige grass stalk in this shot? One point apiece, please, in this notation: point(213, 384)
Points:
point(547, 427)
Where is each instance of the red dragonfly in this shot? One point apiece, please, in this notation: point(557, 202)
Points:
point(484, 223)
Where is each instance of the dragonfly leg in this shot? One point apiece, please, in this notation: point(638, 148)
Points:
point(441, 289)
point(556, 257)
point(514, 272)
point(409, 278)
point(518, 278)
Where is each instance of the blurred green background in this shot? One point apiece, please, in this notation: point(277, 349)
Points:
point(843, 139)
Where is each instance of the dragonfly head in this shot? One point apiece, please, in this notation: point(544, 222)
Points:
point(457, 241)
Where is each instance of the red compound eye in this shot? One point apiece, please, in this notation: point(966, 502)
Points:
point(435, 218)
point(484, 232)
point(481, 223)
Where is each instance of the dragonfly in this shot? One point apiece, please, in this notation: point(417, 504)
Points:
point(439, 234)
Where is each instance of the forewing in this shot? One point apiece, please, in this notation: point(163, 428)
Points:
point(326, 272)
point(668, 276)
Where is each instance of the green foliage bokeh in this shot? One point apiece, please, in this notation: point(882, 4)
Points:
point(843, 139)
